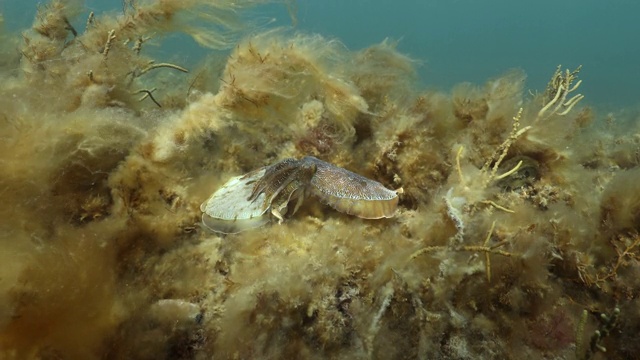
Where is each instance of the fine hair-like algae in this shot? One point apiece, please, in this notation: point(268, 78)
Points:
point(516, 235)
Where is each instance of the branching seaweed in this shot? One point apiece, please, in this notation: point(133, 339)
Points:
point(120, 180)
point(555, 100)
point(148, 93)
point(627, 250)
point(488, 176)
point(484, 248)
point(502, 151)
point(607, 324)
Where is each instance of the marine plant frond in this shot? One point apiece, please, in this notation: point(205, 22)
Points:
point(503, 149)
point(556, 97)
point(607, 324)
point(52, 19)
point(486, 248)
point(215, 25)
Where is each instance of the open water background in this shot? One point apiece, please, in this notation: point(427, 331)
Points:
point(460, 40)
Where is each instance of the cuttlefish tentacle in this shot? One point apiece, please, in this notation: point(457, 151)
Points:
point(295, 187)
point(274, 180)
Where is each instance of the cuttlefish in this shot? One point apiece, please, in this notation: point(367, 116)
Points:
point(273, 192)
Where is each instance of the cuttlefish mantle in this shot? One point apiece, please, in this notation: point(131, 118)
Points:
point(254, 199)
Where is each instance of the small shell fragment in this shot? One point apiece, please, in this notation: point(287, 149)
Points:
point(250, 200)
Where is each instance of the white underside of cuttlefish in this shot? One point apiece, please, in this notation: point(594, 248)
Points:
point(253, 199)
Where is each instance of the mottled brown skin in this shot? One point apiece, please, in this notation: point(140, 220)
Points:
point(347, 192)
point(527, 174)
point(283, 182)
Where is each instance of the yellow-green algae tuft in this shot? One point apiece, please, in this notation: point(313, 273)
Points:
point(102, 176)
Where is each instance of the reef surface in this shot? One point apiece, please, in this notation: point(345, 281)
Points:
point(516, 234)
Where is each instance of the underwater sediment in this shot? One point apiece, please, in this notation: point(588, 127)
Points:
point(516, 234)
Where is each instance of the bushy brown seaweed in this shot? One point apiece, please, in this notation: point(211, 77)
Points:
point(518, 224)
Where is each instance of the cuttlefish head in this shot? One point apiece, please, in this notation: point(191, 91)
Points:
point(284, 183)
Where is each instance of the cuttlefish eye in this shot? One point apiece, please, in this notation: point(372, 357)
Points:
point(307, 170)
point(250, 200)
point(526, 175)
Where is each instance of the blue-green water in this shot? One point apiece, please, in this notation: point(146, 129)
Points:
point(462, 40)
